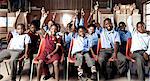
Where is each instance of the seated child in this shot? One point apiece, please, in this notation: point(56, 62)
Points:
point(81, 48)
point(16, 46)
point(51, 55)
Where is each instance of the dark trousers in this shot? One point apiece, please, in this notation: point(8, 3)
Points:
point(104, 56)
point(138, 56)
point(13, 54)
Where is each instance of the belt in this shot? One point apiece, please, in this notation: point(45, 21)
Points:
point(104, 49)
point(137, 51)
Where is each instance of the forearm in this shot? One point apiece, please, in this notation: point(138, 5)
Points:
point(26, 49)
point(57, 47)
point(116, 49)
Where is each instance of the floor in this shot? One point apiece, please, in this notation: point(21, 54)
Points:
point(25, 76)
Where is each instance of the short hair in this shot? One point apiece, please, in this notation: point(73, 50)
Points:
point(92, 25)
point(107, 19)
point(142, 23)
point(55, 26)
point(122, 23)
point(81, 27)
point(22, 26)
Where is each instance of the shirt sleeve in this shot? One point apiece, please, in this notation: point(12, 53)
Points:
point(148, 50)
point(76, 22)
point(117, 38)
point(81, 22)
point(27, 39)
point(130, 24)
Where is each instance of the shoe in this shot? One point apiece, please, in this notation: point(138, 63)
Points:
point(1, 76)
point(93, 76)
point(46, 77)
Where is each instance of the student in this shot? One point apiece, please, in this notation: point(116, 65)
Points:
point(110, 41)
point(81, 48)
point(124, 36)
point(50, 54)
point(93, 37)
point(140, 46)
point(15, 48)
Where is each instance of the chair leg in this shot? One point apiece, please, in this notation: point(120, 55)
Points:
point(67, 70)
point(7, 68)
point(97, 75)
point(129, 75)
point(21, 71)
point(31, 74)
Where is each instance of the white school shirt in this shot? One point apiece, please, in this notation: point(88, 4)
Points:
point(80, 44)
point(140, 41)
point(18, 42)
point(108, 38)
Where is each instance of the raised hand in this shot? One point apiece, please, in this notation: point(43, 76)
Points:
point(76, 12)
point(25, 14)
point(54, 16)
point(82, 12)
point(92, 12)
point(18, 13)
point(42, 10)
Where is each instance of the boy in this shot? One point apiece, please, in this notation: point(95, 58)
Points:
point(110, 41)
point(124, 36)
point(140, 46)
point(16, 46)
point(81, 48)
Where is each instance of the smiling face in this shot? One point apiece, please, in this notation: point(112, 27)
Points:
point(91, 30)
point(140, 28)
point(53, 30)
point(81, 32)
point(33, 28)
point(20, 29)
point(108, 25)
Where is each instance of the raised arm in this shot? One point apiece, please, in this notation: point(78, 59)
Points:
point(130, 21)
point(90, 17)
point(42, 20)
point(76, 22)
point(25, 19)
point(81, 23)
point(16, 18)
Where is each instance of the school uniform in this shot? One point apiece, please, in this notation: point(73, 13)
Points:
point(93, 38)
point(79, 22)
point(16, 47)
point(140, 44)
point(50, 46)
point(81, 44)
point(108, 38)
point(124, 36)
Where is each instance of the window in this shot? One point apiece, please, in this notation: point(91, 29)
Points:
point(146, 14)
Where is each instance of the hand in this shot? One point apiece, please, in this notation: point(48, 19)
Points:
point(54, 15)
point(25, 14)
point(132, 60)
point(49, 55)
point(18, 13)
point(42, 10)
point(82, 12)
point(76, 12)
point(113, 58)
point(45, 14)
point(95, 57)
point(145, 55)
point(62, 59)
point(92, 12)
